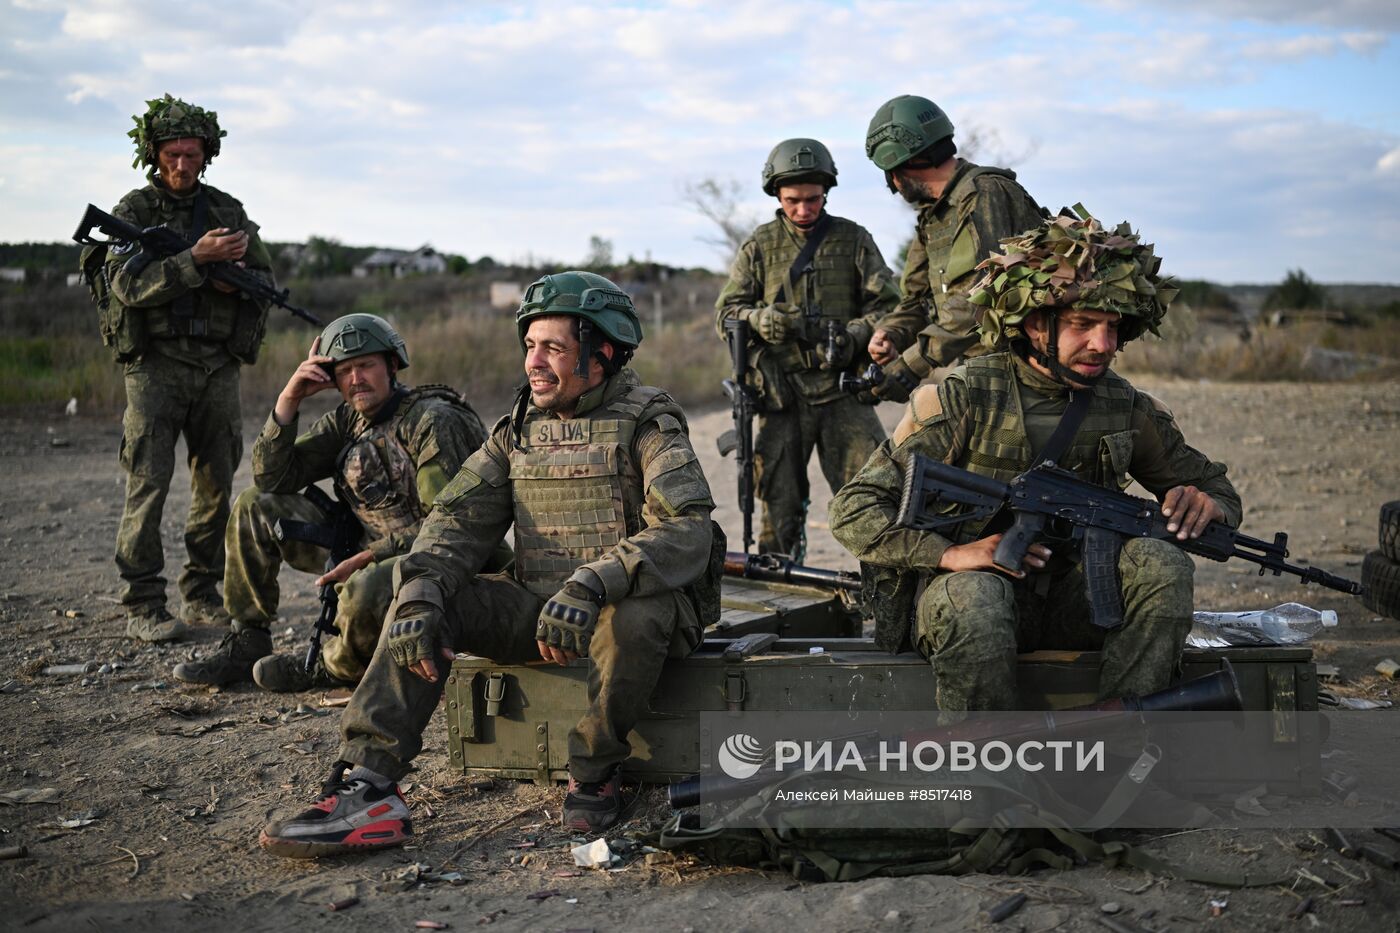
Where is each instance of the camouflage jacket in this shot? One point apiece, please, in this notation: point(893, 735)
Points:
point(851, 283)
point(667, 551)
point(976, 420)
point(215, 326)
point(979, 207)
point(438, 432)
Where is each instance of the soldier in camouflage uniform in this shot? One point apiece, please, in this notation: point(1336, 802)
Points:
point(964, 211)
point(390, 450)
point(1060, 302)
point(845, 289)
point(616, 560)
point(182, 339)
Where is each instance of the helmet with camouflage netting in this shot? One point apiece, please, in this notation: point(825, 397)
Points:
point(1072, 262)
point(171, 118)
point(904, 127)
point(796, 162)
point(359, 335)
point(603, 310)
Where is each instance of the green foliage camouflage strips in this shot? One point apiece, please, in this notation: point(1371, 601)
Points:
point(171, 118)
point(1072, 262)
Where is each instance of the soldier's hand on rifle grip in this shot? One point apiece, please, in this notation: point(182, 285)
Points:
point(776, 323)
point(898, 384)
point(342, 571)
point(220, 245)
point(1189, 511)
point(978, 555)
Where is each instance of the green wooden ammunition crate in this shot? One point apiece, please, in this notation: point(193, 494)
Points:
point(513, 721)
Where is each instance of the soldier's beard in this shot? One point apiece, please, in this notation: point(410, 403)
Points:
point(915, 191)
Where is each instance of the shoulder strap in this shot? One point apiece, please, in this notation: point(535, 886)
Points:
point(804, 258)
point(1069, 426)
point(183, 306)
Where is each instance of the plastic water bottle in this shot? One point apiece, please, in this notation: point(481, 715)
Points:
point(1288, 624)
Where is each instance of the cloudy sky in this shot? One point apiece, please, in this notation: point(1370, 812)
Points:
point(1245, 137)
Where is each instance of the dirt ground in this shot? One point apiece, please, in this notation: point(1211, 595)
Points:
point(176, 781)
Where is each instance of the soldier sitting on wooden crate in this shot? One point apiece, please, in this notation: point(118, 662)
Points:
point(616, 560)
point(1061, 301)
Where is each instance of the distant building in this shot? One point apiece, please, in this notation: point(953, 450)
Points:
point(12, 274)
point(505, 295)
point(398, 263)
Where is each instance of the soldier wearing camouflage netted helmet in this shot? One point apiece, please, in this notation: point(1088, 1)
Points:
point(389, 449)
point(964, 211)
point(1061, 300)
point(182, 339)
point(616, 561)
point(797, 317)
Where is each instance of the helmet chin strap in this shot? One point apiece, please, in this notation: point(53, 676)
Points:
point(589, 349)
point(1050, 357)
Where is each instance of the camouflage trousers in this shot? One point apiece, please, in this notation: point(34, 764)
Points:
point(164, 400)
point(255, 555)
point(972, 624)
point(495, 617)
point(844, 432)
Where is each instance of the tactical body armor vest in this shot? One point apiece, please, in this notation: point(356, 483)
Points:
point(577, 488)
point(378, 476)
point(992, 442)
point(950, 257)
point(998, 446)
point(204, 314)
point(835, 287)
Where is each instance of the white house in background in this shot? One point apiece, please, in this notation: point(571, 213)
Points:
point(14, 274)
point(396, 262)
point(505, 295)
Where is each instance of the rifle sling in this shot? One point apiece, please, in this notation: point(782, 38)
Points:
point(1067, 427)
point(804, 258)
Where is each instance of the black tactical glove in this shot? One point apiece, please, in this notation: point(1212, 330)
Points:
point(568, 619)
point(898, 383)
point(414, 633)
point(776, 323)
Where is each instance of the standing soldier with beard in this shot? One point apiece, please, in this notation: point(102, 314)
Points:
point(965, 210)
point(813, 288)
point(182, 339)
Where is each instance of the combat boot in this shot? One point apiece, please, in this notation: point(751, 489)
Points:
point(154, 624)
point(286, 673)
point(593, 806)
point(233, 661)
point(204, 612)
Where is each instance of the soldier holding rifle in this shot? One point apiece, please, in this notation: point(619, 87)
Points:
point(812, 288)
point(1060, 302)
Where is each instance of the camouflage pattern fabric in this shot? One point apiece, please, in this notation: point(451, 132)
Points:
point(802, 404)
point(165, 399)
point(644, 578)
point(972, 625)
point(219, 325)
point(433, 427)
point(934, 323)
point(976, 420)
point(255, 556)
point(844, 432)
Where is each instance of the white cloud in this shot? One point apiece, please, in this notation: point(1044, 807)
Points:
point(505, 129)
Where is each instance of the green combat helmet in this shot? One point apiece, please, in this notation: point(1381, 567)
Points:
point(797, 161)
point(599, 304)
point(1069, 262)
point(359, 335)
point(902, 128)
point(171, 118)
